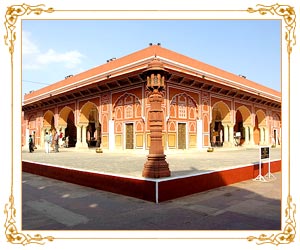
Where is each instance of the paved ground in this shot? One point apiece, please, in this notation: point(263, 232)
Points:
point(53, 205)
point(131, 163)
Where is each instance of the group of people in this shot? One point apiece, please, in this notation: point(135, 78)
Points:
point(51, 141)
point(55, 141)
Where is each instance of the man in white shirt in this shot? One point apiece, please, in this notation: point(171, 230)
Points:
point(47, 142)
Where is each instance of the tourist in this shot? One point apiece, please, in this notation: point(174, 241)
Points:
point(47, 142)
point(30, 144)
point(56, 140)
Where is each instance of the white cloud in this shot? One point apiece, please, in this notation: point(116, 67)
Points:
point(34, 58)
point(31, 66)
point(70, 59)
point(28, 47)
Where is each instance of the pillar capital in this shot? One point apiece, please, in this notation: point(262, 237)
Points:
point(82, 124)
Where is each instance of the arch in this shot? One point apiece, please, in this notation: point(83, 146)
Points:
point(88, 111)
point(48, 120)
point(63, 116)
point(126, 97)
point(220, 112)
point(70, 129)
point(246, 114)
point(183, 105)
point(91, 131)
point(261, 118)
point(276, 121)
point(127, 106)
point(184, 98)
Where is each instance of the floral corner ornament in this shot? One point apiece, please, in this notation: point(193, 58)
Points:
point(289, 17)
point(11, 231)
point(13, 13)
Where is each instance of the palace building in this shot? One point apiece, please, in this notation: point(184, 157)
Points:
point(109, 106)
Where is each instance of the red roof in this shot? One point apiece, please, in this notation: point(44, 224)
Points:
point(169, 57)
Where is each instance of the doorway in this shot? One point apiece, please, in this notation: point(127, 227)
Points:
point(181, 136)
point(129, 136)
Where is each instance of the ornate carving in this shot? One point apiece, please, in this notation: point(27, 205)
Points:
point(11, 17)
point(289, 17)
point(289, 232)
point(11, 231)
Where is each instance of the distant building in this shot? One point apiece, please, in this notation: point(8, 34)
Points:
point(108, 106)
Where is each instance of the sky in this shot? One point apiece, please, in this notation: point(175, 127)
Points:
point(53, 49)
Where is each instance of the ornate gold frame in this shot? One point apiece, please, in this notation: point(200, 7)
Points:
point(11, 231)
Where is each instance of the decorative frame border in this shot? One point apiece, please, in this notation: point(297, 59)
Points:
point(11, 17)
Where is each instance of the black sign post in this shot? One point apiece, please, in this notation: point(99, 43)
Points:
point(264, 154)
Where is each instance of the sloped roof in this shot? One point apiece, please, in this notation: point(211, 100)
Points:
point(140, 59)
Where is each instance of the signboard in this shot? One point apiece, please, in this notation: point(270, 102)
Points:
point(264, 153)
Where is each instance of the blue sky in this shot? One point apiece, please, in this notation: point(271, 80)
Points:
point(53, 49)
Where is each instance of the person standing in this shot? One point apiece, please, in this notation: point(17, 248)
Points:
point(31, 144)
point(56, 141)
point(47, 142)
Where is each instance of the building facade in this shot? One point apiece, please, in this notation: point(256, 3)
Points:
point(108, 106)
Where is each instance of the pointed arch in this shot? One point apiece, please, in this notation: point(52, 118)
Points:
point(221, 112)
point(88, 111)
point(126, 98)
point(183, 105)
point(63, 116)
point(246, 114)
point(261, 118)
point(127, 106)
point(48, 119)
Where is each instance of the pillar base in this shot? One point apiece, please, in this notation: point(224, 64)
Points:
point(156, 167)
point(81, 145)
point(228, 145)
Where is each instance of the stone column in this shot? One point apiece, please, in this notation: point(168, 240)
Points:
point(246, 135)
point(231, 133)
point(228, 135)
point(261, 136)
point(84, 144)
point(98, 133)
point(156, 165)
point(225, 135)
point(267, 138)
point(251, 134)
point(42, 137)
point(78, 136)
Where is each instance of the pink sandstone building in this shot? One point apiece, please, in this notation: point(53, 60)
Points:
point(108, 106)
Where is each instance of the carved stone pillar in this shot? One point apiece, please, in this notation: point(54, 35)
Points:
point(261, 135)
point(84, 144)
point(246, 134)
point(226, 135)
point(78, 136)
point(267, 136)
point(231, 132)
point(98, 133)
point(156, 165)
point(251, 135)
